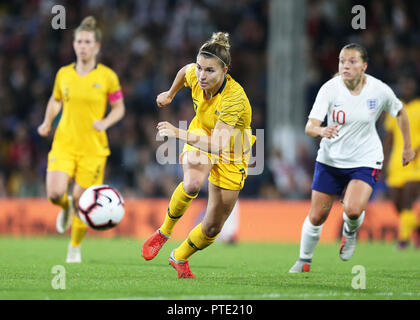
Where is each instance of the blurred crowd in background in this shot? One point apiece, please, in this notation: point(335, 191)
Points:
point(146, 42)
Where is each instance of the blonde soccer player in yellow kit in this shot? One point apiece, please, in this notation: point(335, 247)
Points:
point(80, 145)
point(217, 146)
point(404, 182)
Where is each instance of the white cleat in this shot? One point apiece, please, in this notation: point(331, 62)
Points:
point(74, 254)
point(348, 245)
point(64, 217)
point(302, 265)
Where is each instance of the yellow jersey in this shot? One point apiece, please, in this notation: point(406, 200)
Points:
point(84, 100)
point(397, 174)
point(229, 105)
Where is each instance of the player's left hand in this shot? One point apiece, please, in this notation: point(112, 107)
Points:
point(100, 125)
point(167, 130)
point(407, 156)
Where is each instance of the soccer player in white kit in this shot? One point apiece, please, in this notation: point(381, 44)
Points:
point(350, 154)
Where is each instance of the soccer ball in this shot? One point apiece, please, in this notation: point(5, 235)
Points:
point(101, 207)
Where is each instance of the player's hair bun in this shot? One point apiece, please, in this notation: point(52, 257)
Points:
point(218, 46)
point(89, 22)
point(220, 38)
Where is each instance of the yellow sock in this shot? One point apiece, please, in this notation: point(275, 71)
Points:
point(408, 223)
point(78, 231)
point(196, 240)
point(179, 203)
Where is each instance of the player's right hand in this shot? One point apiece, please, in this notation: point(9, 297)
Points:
point(44, 129)
point(407, 156)
point(329, 132)
point(163, 99)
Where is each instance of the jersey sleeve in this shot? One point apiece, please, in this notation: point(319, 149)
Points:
point(232, 107)
point(392, 104)
point(322, 102)
point(114, 89)
point(57, 90)
point(190, 76)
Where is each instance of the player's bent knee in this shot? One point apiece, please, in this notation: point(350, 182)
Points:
point(192, 187)
point(318, 217)
point(212, 230)
point(354, 215)
point(317, 220)
point(353, 212)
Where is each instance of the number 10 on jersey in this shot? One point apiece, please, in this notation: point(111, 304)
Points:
point(339, 116)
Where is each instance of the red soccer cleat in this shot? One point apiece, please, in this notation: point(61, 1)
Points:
point(184, 271)
point(152, 245)
point(301, 266)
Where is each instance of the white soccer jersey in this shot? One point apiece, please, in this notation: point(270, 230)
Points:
point(358, 143)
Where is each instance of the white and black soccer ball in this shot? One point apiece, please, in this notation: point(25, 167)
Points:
point(101, 207)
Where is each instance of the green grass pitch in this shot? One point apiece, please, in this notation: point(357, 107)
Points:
point(114, 269)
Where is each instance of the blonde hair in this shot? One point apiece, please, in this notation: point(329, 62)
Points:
point(217, 47)
point(89, 24)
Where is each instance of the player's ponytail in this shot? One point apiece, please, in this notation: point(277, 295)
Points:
point(217, 46)
point(89, 24)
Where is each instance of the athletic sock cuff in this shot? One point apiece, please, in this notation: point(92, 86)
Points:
point(163, 234)
point(353, 224)
point(309, 261)
point(186, 194)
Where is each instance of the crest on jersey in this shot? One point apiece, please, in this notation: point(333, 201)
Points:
point(372, 104)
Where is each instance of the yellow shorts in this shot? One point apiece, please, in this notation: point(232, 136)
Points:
point(223, 175)
point(86, 170)
point(229, 176)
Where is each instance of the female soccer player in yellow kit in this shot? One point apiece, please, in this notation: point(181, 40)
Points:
point(80, 146)
point(404, 182)
point(218, 142)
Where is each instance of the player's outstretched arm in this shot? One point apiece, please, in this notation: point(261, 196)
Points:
point(215, 143)
point(165, 98)
point(53, 108)
point(408, 153)
point(313, 128)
